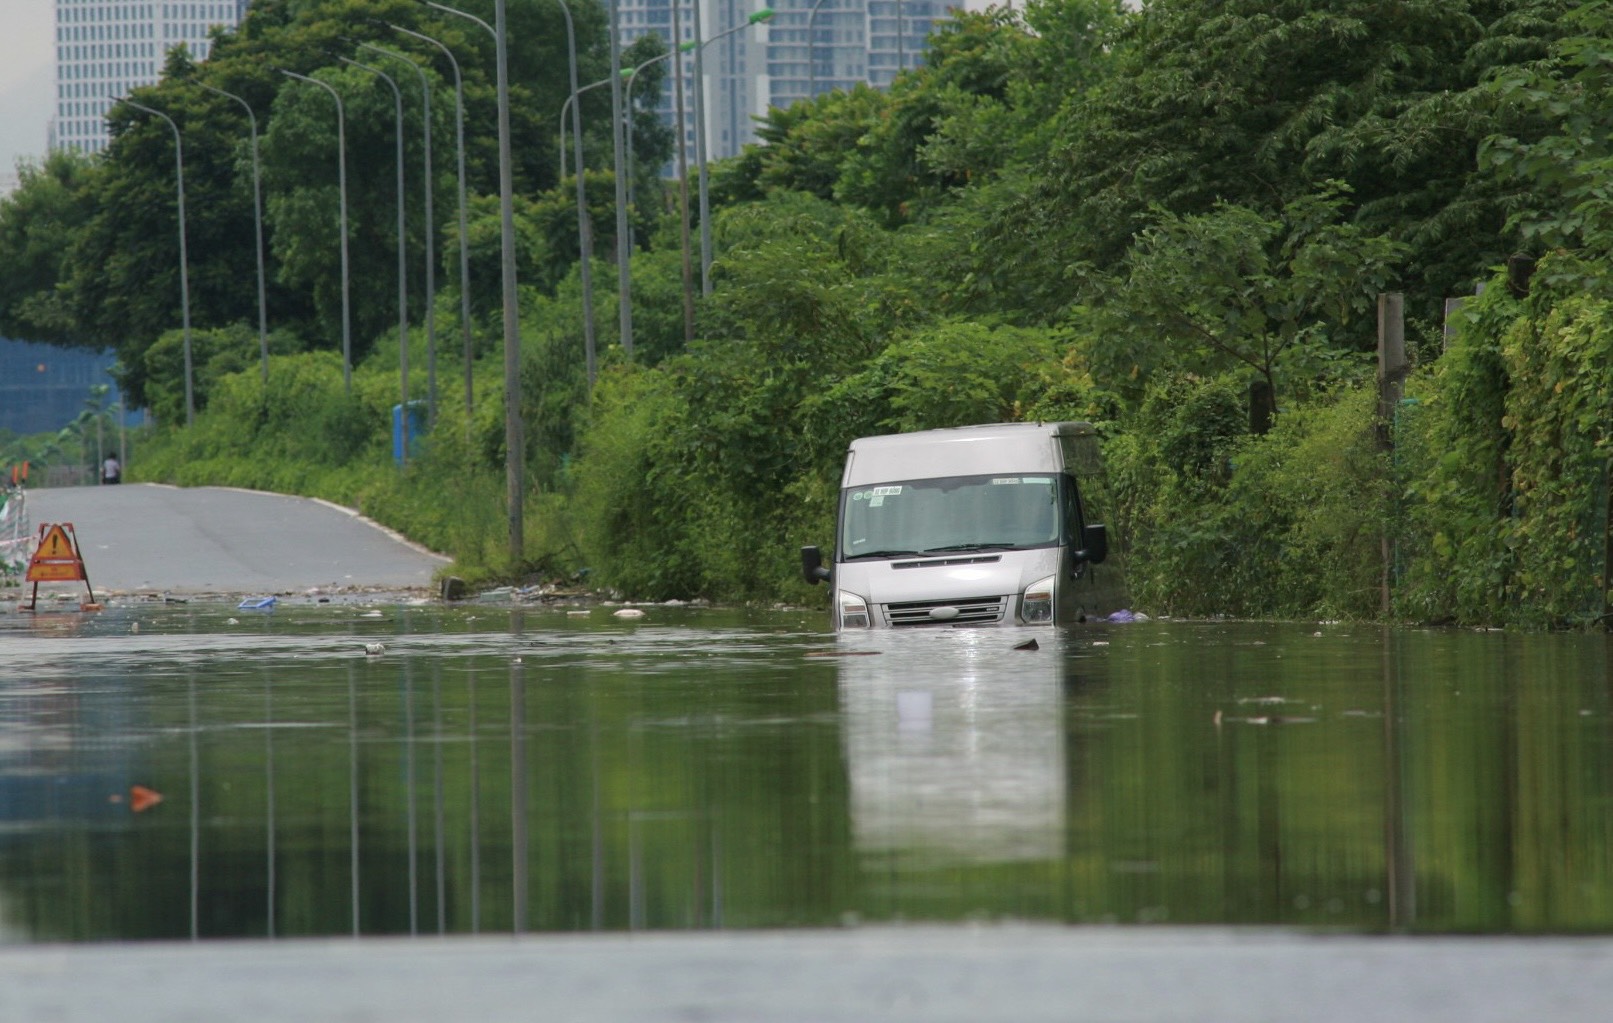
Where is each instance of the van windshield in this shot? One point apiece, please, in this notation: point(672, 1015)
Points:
point(956, 513)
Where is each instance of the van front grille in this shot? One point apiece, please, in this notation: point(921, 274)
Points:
point(971, 611)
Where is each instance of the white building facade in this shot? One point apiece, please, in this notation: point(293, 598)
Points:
point(105, 48)
point(808, 47)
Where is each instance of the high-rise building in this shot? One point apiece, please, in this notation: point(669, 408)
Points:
point(104, 48)
point(808, 47)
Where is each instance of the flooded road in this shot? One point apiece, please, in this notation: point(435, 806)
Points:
point(173, 771)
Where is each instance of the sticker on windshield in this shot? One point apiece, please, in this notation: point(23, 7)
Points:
point(887, 491)
point(1037, 479)
point(999, 481)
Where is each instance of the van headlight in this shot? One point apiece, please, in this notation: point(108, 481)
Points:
point(1036, 605)
point(853, 610)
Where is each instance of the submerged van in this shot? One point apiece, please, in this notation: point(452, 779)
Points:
point(977, 525)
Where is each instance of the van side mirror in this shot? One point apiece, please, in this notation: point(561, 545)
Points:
point(1094, 543)
point(812, 569)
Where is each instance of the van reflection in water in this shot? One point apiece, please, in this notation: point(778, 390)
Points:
point(954, 747)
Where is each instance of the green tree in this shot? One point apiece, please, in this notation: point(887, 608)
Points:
point(1563, 169)
point(1208, 293)
point(1257, 103)
point(37, 225)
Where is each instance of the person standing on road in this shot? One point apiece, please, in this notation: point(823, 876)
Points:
point(111, 471)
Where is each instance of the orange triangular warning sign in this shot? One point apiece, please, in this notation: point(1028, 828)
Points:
point(56, 545)
point(56, 559)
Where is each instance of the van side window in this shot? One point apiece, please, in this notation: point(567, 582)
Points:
point(1074, 518)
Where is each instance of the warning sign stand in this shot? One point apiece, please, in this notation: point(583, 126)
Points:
point(57, 560)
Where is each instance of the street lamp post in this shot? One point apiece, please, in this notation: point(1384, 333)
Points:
point(341, 177)
point(812, 51)
point(683, 185)
point(184, 257)
point(464, 241)
point(431, 233)
point(257, 224)
point(624, 246)
point(515, 448)
point(901, 47)
point(700, 136)
point(403, 259)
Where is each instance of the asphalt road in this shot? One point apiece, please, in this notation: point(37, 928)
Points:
point(1013, 974)
point(150, 538)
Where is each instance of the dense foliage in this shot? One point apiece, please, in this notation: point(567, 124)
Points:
point(1165, 221)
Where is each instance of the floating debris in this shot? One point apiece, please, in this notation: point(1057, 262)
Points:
point(842, 653)
point(1029, 644)
point(375, 649)
point(141, 799)
point(257, 604)
point(628, 612)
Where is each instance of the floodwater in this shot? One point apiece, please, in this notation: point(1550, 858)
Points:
point(204, 771)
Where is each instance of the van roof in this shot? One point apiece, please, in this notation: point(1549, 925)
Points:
point(960, 451)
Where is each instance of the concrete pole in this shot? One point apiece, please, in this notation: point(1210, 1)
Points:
point(624, 241)
point(683, 182)
point(514, 441)
point(1392, 369)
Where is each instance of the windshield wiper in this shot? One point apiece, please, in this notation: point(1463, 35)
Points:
point(882, 554)
point(970, 547)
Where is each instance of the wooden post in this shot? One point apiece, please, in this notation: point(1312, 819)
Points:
point(1392, 368)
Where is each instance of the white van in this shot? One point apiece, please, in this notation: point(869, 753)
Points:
point(978, 525)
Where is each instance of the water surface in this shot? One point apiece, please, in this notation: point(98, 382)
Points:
point(501, 768)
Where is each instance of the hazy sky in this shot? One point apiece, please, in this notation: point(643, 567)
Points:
point(27, 52)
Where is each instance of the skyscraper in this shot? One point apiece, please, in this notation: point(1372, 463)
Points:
point(104, 48)
point(775, 63)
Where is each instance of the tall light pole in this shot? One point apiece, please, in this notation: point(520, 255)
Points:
point(683, 184)
point(464, 229)
point(700, 149)
point(515, 449)
point(184, 257)
point(431, 233)
point(624, 245)
point(257, 224)
point(403, 260)
point(812, 50)
point(700, 136)
point(341, 178)
point(901, 44)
